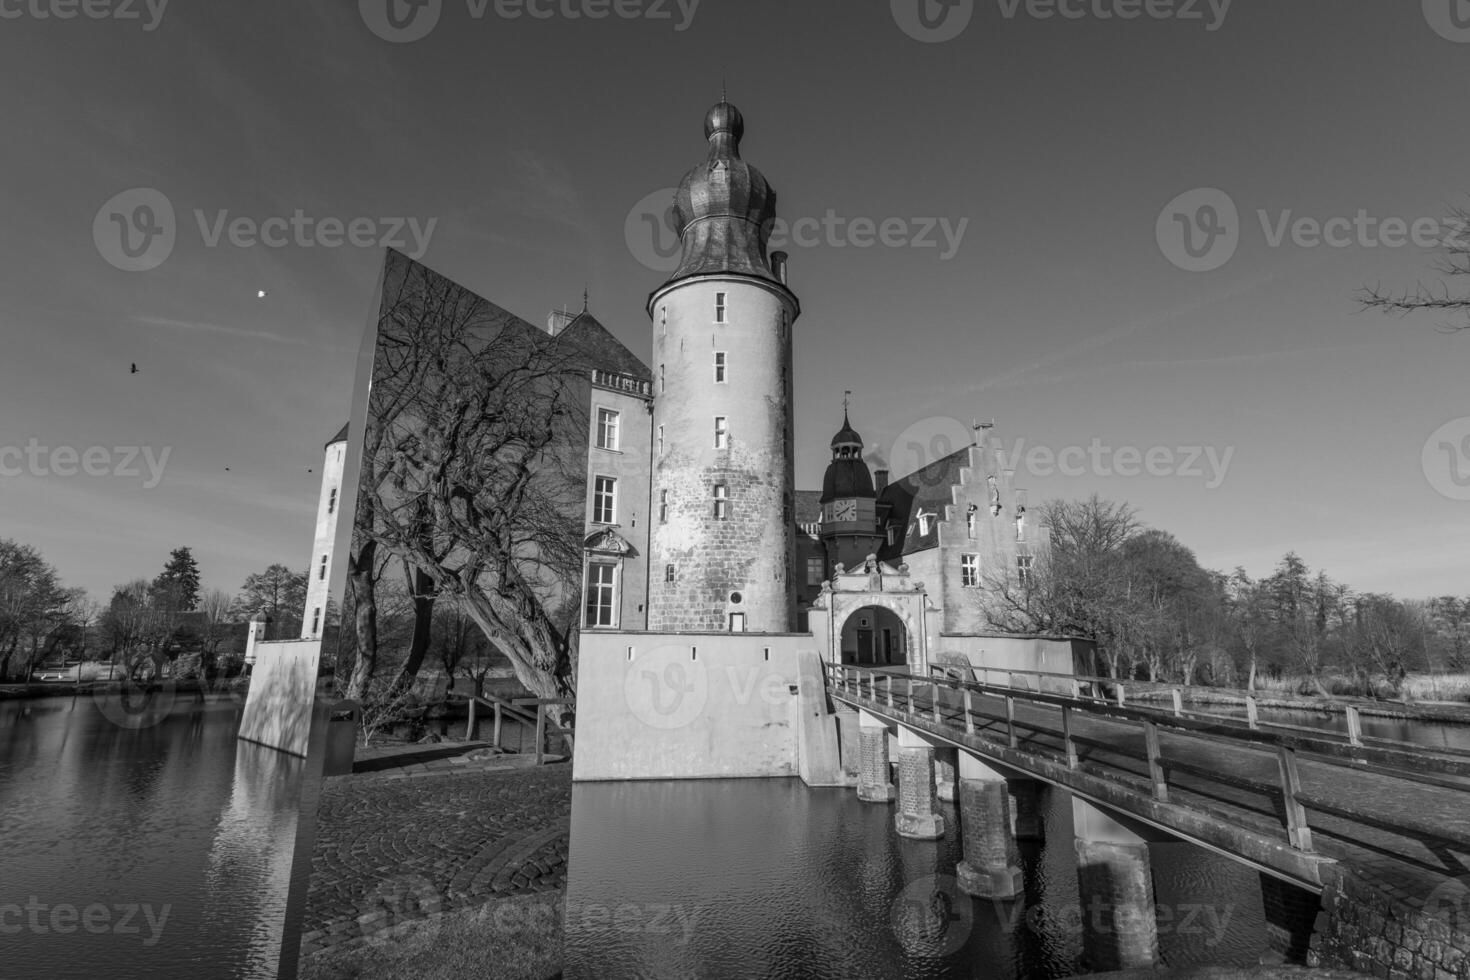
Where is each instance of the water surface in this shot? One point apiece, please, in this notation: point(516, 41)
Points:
point(766, 878)
point(141, 840)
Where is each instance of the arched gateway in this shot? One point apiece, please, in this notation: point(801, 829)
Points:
point(874, 615)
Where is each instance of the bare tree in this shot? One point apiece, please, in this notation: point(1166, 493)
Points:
point(1453, 262)
point(470, 469)
point(1079, 585)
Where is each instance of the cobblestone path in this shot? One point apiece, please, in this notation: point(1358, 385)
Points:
point(391, 849)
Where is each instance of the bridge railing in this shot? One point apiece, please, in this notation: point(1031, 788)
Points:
point(906, 693)
point(537, 717)
point(1112, 690)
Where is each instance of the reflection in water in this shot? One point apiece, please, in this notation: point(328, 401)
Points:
point(173, 839)
point(768, 878)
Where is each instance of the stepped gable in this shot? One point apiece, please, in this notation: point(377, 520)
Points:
point(930, 490)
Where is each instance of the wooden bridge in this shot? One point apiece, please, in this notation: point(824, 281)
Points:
point(1298, 803)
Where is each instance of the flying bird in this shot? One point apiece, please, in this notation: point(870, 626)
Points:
point(135, 369)
point(260, 294)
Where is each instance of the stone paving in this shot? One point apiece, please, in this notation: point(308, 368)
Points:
point(417, 830)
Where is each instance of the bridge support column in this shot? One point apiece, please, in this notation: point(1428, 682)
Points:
point(1026, 808)
point(991, 865)
point(874, 784)
point(917, 816)
point(1116, 889)
point(945, 783)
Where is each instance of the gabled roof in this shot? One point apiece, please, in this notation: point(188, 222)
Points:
point(808, 506)
point(927, 490)
point(601, 349)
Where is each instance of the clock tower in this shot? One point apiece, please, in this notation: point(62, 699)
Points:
point(849, 504)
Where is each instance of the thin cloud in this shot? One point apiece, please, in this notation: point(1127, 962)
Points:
point(199, 326)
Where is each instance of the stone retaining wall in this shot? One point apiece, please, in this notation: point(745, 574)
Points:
point(1371, 930)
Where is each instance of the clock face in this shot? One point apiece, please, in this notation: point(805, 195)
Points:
point(844, 510)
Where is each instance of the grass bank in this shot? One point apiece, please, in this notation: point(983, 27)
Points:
point(515, 938)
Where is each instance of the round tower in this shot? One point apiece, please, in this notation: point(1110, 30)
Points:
point(723, 533)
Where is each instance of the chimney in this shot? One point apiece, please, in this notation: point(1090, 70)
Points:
point(557, 320)
point(778, 266)
point(880, 479)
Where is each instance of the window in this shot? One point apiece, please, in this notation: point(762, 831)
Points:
point(663, 507)
point(322, 572)
point(1023, 569)
point(316, 620)
point(970, 571)
point(737, 622)
point(668, 573)
point(663, 321)
point(814, 571)
point(660, 440)
point(604, 500)
point(332, 502)
point(719, 367)
point(600, 577)
point(924, 523)
point(720, 308)
point(607, 429)
point(722, 432)
point(890, 534)
point(970, 521)
point(722, 502)
point(663, 382)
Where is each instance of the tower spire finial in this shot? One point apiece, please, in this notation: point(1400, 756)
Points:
point(584, 297)
point(846, 397)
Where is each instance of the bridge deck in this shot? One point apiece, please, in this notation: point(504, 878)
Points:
point(1403, 824)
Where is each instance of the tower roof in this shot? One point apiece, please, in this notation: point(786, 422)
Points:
point(341, 436)
point(847, 475)
point(847, 435)
point(724, 208)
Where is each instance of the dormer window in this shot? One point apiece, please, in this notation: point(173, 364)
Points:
point(924, 524)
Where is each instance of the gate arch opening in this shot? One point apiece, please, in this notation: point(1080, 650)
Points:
point(874, 636)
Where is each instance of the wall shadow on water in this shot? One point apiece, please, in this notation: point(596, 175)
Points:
point(766, 878)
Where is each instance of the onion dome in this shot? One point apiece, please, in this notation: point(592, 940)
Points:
point(724, 208)
point(847, 475)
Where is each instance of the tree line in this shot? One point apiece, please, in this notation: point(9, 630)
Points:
point(1157, 615)
point(145, 626)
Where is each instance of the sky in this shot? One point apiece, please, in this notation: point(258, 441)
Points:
point(1084, 226)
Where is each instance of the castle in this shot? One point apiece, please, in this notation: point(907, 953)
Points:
point(693, 522)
